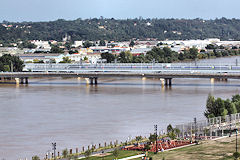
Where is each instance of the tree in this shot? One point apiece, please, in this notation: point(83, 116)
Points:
point(210, 46)
point(131, 44)
point(172, 135)
point(65, 153)
point(73, 51)
point(181, 56)
point(108, 56)
point(236, 98)
point(125, 57)
point(219, 108)
point(35, 158)
point(237, 105)
point(236, 155)
point(27, 44)
point(6, 68)
point(147, 147)
point(230, 106)
point(169, 128)
point(87, 44)
point(9, 62)
point(138, 138)
point(66, 60)
point(209, 113)
point(193, 52)
point(172, 132)
point(87, 153)
point(85, 58)
point(102, 43)
point(38, 61)
point(68, 45)
point(177, 131)
point(56, 49)
point(152, 137)
point(116, 153)
point(52, 61)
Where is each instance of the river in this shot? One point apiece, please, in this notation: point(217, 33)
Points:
point(73, 114)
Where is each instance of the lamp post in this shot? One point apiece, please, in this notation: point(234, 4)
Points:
point(48, 154)
point(11, 66)
point(195, 123)
point(236, 140)
point(155, 128)
point(230, 116)
point(54, 149)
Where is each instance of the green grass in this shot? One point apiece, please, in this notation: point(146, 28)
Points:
point(122, 154)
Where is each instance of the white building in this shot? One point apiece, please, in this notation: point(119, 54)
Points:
point(42, 45)
point(77, 44)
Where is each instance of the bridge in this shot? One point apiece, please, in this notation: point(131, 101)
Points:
point(93, 76)
point(166, 72)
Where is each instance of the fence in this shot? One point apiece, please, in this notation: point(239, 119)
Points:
point(211, 127)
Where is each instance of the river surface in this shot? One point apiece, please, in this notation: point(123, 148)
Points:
point(73, 114)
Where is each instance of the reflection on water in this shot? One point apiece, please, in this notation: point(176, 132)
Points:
point(73, 114)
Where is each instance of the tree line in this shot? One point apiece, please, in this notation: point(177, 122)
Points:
point(166, 55)
point(11, 63)
point(219, 107)
point(121, 30)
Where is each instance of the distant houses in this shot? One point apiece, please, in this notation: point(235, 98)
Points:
point(43, 53)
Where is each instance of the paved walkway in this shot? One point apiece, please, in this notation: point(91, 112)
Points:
point(133, 157)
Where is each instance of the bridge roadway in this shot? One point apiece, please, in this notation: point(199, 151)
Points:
point(93, 76)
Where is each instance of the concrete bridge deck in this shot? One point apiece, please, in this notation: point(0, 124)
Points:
point(93, 76)
point(120, 74)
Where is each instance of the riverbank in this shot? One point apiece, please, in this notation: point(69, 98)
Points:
point(219, 149)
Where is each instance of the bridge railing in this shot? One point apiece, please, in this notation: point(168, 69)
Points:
point(127, 66)
point(211, 126)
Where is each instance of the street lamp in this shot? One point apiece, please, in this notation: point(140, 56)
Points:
point(54, 149)
point(230, 116)
point(48, 154)
point(236, 139)
point(155, 128)
point(195, 123)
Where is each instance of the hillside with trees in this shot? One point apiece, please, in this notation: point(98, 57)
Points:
point(121, 30)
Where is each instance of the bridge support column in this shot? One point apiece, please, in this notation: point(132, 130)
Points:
point(95, 80)
point(168, 82)
point(17, 80)
point(91, 81)
point(21, 81)
point(26, 80)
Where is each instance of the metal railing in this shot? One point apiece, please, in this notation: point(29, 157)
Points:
point(217, 126)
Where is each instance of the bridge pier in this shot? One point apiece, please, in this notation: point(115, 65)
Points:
point(26, 80)
point(168, 82)
point(93, 80)
point(23, 80)
point(12, 80)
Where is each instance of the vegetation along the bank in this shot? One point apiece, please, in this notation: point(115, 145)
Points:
point(11, 63)
point(166, 55)
point(218, 107)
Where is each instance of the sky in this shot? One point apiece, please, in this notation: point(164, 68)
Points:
point(49, 10)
